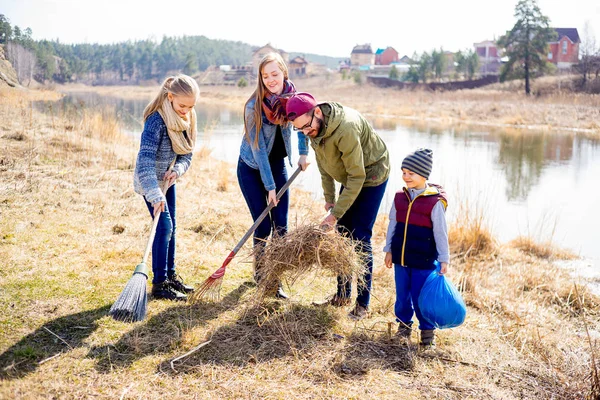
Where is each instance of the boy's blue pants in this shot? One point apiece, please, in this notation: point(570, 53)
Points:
point(409, 282)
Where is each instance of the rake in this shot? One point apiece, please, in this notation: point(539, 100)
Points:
point(211, 286)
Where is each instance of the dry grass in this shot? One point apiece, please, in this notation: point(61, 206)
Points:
point(307, 250)
point(224, 177)
point(469, 235)
point(72, 230)
point(546, 250)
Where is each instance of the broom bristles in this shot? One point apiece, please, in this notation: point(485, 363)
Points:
point(131, 303)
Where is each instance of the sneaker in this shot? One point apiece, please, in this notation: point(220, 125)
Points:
point(177, 284)
point(404, 331)
point(164, 290)
point(334, 301)
point(359, 312)
point(427, 338)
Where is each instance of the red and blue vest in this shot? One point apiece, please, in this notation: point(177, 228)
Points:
point(413, 244)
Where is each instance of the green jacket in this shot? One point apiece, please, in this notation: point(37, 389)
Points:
point(349, 151)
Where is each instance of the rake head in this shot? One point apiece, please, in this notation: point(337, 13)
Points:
point(210, 289)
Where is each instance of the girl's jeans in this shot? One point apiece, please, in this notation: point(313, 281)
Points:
point(256, 195)
point(163, 247)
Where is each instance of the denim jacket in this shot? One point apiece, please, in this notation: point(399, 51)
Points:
point(258, 158)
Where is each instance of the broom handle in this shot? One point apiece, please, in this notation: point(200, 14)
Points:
point(266, 211)
point(151, 237)
point(164, 189)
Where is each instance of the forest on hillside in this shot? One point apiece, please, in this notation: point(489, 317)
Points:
point(129, 62)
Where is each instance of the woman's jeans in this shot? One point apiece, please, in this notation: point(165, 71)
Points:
point(163, 247)
point(256, 195)
point(358, 223)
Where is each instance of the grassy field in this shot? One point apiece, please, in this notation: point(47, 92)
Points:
point(72, 230)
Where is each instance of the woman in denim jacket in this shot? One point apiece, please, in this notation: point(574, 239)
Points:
point(266, 144)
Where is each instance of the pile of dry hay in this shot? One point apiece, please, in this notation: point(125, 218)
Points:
point(303, 250)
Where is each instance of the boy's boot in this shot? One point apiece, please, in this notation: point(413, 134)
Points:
point(177, 284)
point(427, 338)
point(164, 290)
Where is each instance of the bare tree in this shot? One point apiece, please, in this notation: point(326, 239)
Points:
point(23, 61)
point(589, 53)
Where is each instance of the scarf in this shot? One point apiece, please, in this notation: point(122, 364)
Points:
point(183, 143)
point(273, 105)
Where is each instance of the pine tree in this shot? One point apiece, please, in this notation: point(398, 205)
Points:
point(526, 44)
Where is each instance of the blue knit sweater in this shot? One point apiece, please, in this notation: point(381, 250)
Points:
point(154, 158)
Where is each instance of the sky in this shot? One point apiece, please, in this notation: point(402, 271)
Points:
point(324, 27)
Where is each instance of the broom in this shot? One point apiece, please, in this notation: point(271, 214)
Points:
point(131, 303)
point(212, 284)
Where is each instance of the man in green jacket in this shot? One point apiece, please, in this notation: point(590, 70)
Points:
point(348, 151)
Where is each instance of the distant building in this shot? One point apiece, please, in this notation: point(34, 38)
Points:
point(261, 52)
point(362, 55)
point(386, 56)
point(298, 67)
point(405, 60)
point(489, 57)
point(344, 65)
point(564, 52)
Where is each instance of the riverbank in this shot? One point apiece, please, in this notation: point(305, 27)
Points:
point(72, 230)
point(502, 105)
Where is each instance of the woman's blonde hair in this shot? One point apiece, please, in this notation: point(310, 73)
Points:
point(178, 85)
point(259, 94)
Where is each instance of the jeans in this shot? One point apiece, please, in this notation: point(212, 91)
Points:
point(256, 195)
point(358, 222)
point(163, 247)
point(409, 282)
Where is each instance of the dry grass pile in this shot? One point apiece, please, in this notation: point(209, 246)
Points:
point(304, 250)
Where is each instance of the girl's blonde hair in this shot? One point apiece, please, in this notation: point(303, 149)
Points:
point(259, 94)
point(178, 85)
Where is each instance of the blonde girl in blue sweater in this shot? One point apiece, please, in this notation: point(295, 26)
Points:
point(165, 154)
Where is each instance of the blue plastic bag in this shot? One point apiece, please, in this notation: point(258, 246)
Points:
point(440, 302)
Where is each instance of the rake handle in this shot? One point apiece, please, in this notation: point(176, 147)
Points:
point(221, 271)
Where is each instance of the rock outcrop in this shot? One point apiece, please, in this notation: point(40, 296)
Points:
point(8, 75)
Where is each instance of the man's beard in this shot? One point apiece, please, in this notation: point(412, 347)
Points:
point(315, 132)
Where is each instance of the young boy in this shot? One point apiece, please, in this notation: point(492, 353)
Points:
point(417, 237)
